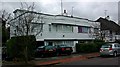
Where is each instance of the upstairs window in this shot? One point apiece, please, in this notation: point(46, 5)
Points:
point(82, 29)
point(49, 27)
point(62, 28)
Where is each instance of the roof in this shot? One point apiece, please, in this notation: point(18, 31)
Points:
point(52, 15)
point(106, 24)
point(76, 18)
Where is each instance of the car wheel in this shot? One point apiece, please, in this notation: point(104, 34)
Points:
point(42, 55)
point(69, 54)
point(57, 54)
point(115, 54)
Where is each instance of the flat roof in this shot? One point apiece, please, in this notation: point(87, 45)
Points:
point(52, 15)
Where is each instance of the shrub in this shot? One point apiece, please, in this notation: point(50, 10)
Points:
point(90, 46)
point(86, 47)
point(98, 40)
point(16, 47)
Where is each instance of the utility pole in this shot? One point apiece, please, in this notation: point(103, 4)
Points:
point(105, 13)
point(72, 11)
point(61, 8)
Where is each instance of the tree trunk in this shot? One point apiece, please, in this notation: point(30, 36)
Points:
point(26, 55)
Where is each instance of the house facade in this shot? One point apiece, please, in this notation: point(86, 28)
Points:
point(110, 31)
point(60, 29)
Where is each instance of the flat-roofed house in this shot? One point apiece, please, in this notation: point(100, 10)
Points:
point(61, 29)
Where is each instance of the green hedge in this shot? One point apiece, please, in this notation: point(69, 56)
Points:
point(16, 47)
point(89, 47)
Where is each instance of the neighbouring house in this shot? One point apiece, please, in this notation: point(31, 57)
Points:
point(110, 31)
point(59, 29)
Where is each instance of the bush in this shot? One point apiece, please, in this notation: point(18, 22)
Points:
point(16, 47)
point(89, 47)
point(86, 47)
point(98, 40)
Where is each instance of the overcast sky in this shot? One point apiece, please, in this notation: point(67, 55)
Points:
point(90, 9)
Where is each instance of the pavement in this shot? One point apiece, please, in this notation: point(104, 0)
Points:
point(60, 59)
point(67, 59)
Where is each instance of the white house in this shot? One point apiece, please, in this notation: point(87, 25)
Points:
point(61, 29)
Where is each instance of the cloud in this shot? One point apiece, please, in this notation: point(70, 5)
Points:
point(90, 9)
point(59, 0)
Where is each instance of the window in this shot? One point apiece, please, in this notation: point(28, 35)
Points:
point(106, 46)
point(118, 45)
point(49, 27)
point(68, 43)
point(115, 45)
point(67, 28)
point(63, 28)
point(79, 29)
point(82, 29)
point(50, 43)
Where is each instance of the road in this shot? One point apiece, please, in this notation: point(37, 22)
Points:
point(96, 61)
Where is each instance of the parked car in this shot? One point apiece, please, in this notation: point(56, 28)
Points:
point(110, 49)
point(63, 49)
point(43, 51)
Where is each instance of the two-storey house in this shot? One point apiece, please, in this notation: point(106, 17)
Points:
point(60, 29)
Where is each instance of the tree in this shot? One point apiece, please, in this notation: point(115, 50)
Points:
point(5, 17)
point(26, 22)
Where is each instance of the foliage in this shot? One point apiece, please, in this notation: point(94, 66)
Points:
point(25, 23)
point(86, 47)
point(16, 47)
point(89, 47)
point(98, 40)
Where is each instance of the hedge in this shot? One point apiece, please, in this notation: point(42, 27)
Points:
point(89, 47)
point(16, 47)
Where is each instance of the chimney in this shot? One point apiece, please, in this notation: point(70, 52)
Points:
point(65, 13)
point(108, 17)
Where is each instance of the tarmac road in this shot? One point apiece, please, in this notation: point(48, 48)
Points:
point(108, 60)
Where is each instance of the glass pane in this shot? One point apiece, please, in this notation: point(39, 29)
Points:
point(107, 46)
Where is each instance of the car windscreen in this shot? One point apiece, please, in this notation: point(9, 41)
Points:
point(63, 45)
point(106, 46)
point(49, 47)
point(41, 47)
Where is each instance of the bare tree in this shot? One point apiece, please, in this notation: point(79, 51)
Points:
point(5, 15)
point(4, 18)
point(26, 22)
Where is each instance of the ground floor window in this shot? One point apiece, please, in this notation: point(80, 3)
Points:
point(69, 43)
point(50, 43)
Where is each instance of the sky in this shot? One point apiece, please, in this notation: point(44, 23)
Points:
point(90, 9)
